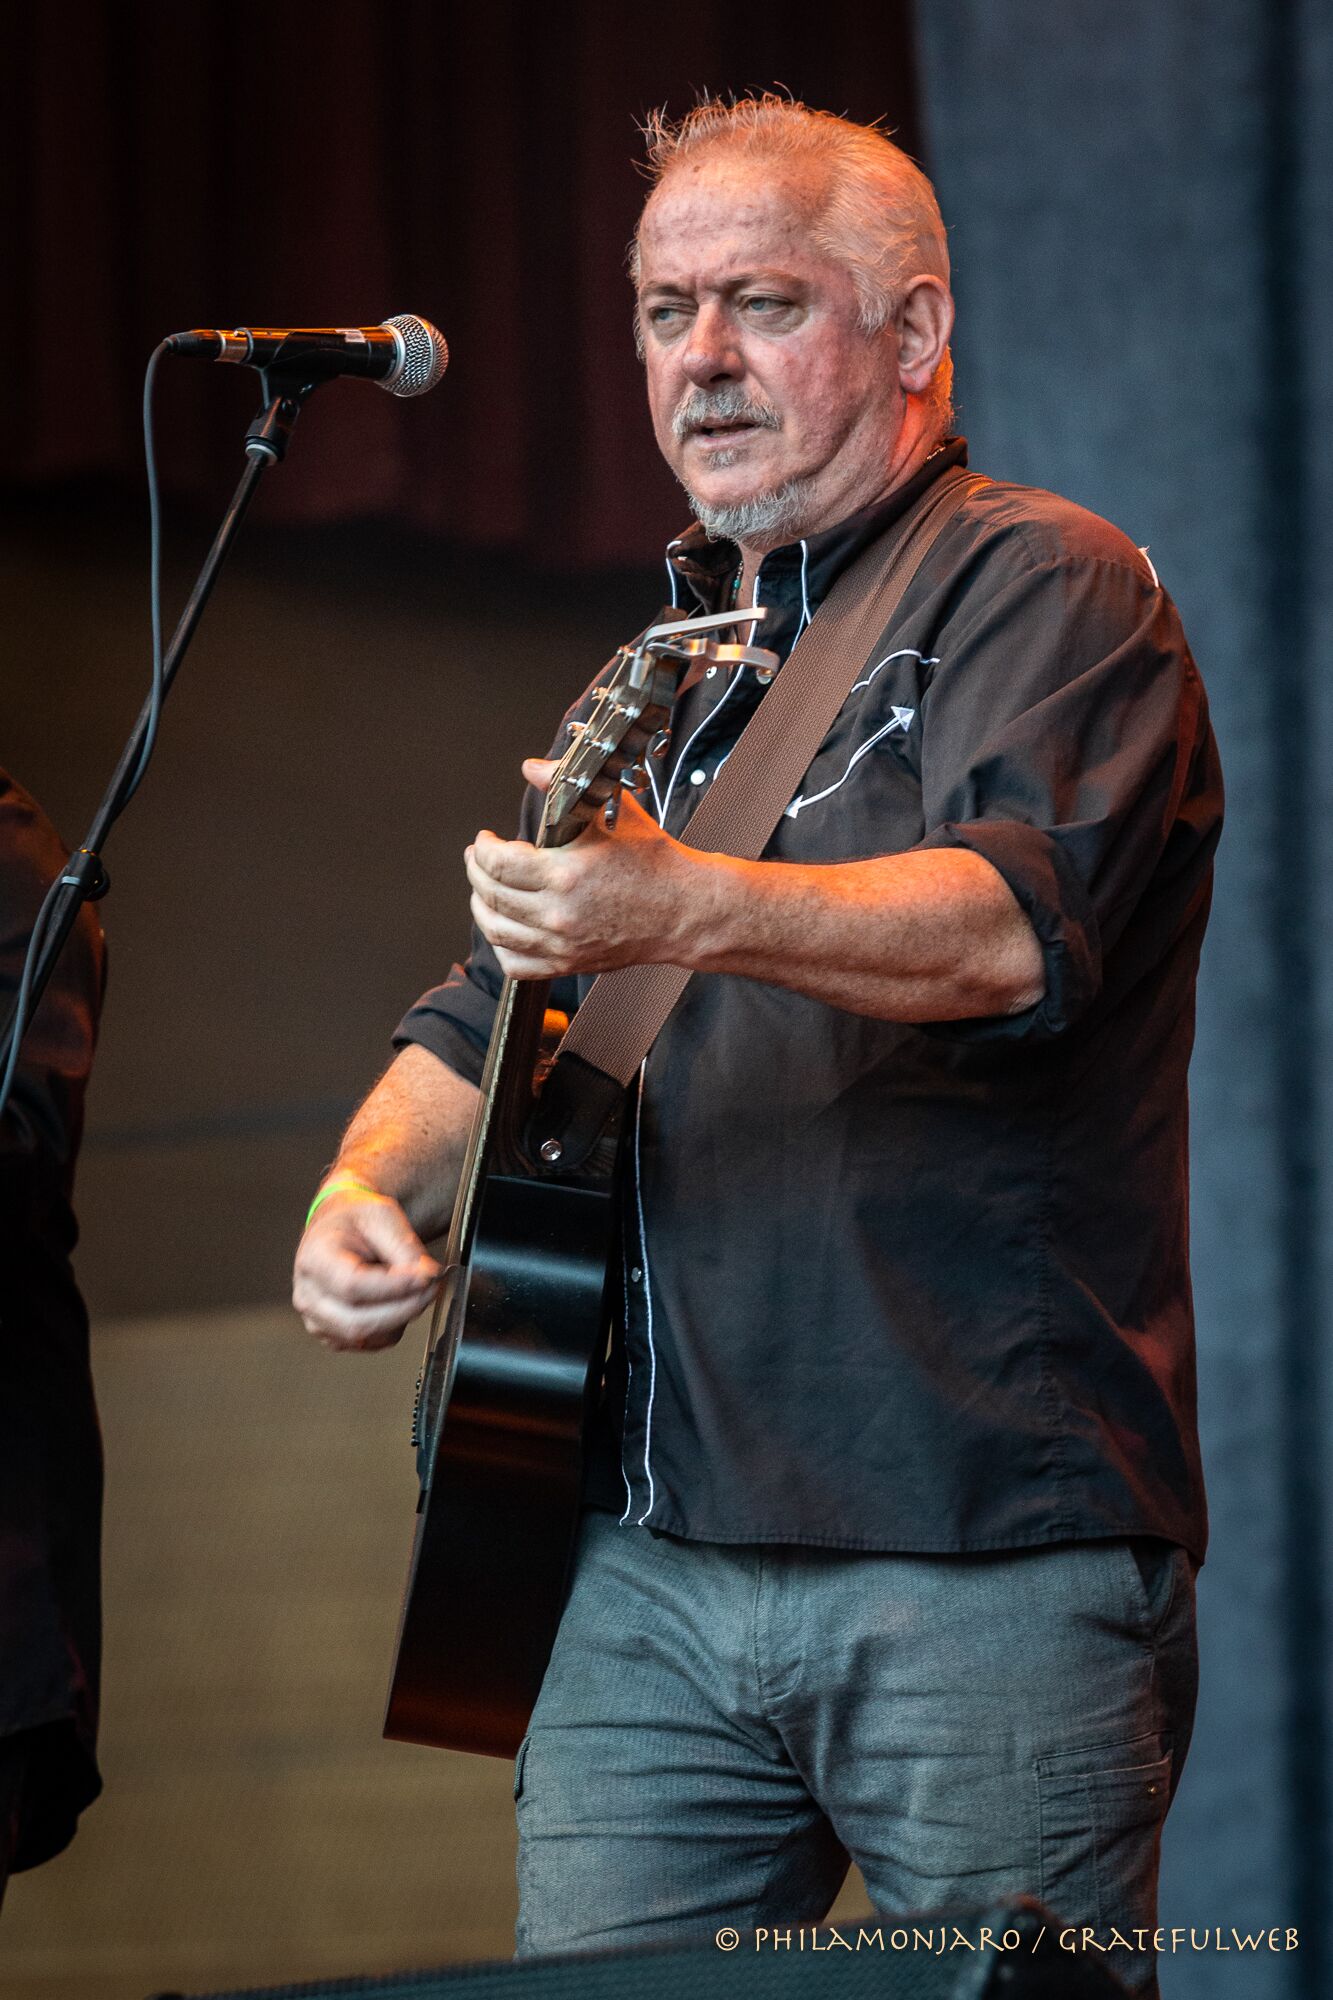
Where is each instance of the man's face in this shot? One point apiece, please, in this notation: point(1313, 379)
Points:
point(758, 375)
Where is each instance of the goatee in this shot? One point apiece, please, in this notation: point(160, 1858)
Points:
point(760, 518)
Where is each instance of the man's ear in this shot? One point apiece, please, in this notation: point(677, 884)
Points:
point(925, 321)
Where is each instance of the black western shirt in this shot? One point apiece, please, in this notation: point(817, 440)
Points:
point(926, 1287)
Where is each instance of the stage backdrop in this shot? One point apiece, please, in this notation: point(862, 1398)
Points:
point(214, 165)
point(1140, 204)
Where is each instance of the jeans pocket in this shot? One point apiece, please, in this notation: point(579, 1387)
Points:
point(1100, 1819)
point(1156, 1569)
point(519, 1763)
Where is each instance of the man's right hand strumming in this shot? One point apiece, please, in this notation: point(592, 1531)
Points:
point(362, 1271)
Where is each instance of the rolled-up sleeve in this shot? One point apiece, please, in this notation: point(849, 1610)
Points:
point(454, 1019)
point(1061, 736)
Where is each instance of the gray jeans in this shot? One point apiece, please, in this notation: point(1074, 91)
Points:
point(720, 1728)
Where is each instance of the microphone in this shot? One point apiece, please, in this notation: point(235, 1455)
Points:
point(405, 355)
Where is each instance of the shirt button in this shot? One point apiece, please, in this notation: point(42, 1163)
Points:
point(636, 1275)
point(709, 673)
point(699, 777)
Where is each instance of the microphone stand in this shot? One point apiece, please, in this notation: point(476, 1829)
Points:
point(85, 879)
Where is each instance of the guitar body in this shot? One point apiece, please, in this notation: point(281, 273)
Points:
point(513, 1368)
point(526, 1320)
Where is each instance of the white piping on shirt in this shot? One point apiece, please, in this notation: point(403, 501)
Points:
point(734, 683)
point(629, 1377)
point(1151, 567)
point(799, 804)
point(754, 599)
point(903, 653)
point(673, 580)
point(662, 807)
point(648, 1304)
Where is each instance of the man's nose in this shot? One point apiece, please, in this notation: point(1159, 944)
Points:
point(712, 353)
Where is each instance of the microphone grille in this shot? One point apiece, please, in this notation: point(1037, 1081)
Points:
point(425, 356)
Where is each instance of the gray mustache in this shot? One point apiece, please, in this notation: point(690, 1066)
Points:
point(722, 406)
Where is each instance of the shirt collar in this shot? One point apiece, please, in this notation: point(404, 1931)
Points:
point(707, 566)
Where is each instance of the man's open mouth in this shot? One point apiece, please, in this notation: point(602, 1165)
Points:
point(724, 430)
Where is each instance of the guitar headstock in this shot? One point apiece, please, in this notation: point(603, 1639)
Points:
point(630, 714)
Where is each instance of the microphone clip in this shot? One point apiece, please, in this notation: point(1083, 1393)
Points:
point(285, 392)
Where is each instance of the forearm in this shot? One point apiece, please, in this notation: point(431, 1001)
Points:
point(408, 1138)
point(934, 934)
point(931, 935)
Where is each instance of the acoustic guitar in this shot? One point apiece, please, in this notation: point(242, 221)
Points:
point(518, 1340)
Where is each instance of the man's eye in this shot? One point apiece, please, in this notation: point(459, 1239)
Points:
point(761, 304)
point(663, 315)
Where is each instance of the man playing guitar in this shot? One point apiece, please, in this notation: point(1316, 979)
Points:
point(893, 1517)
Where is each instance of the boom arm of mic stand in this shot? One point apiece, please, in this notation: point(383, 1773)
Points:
point(85, 878)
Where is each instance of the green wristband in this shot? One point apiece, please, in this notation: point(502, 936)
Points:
point(336, 1186)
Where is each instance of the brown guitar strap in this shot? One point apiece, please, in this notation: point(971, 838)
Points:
point(625, 1011)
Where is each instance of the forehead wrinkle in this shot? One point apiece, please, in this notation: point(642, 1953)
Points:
point(788, 204)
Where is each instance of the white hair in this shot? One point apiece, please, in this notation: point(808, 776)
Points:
point(878, 216)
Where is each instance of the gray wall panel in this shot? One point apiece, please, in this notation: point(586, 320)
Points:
point(1135, 331)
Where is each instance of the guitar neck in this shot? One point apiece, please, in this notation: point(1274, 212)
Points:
point(505, 1098)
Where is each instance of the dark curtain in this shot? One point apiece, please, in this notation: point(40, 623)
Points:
point(1141, 211)
point(223, 164)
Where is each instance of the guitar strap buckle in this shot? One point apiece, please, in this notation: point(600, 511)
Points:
point(577, 1107)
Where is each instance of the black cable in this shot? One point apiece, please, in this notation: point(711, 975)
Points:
point(19, 1018)
point(154, 577)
